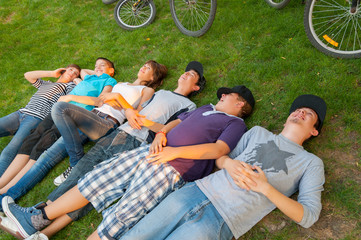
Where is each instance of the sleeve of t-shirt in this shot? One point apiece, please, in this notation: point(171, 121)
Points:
point(69, 88)
point(242, 143)
point(86, 76)
point(233, 132)
point(184, 114)
point(38, 83)
point(310, 188)
point(110, 82)
point(148, 101)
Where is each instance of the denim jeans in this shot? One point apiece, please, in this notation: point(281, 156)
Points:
point(38, 171)
point(17, 124)
point(116, 142)
point(185, 214)
point(69, 118)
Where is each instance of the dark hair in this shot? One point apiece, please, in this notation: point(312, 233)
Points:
point(246, 109)
point(317, 124)
point(74, 66)
point(110, 63)
point(159, 73)
point(201, 83)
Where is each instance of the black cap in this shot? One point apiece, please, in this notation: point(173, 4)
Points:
point(241, 90)
point(196, 66)
point(316, 103)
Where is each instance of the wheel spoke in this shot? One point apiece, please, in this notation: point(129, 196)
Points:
point(334, 26)
point(194, 14)
point(133, 19)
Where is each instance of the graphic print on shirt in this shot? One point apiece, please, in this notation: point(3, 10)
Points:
point(269, 157)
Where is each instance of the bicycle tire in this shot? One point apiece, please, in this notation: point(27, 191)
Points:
point(332, 28)
point(193, 17)
point(128, 19)
point(278, 4)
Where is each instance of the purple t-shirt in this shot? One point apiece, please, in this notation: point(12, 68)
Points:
point(203, 125)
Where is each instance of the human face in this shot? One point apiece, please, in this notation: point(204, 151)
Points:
point(189, 80)
point(102, 66)
point(230, 103)
point(146, 73)
point(305, 117)
point(70, 73)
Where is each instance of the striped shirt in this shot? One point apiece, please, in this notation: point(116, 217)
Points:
point(48, 93)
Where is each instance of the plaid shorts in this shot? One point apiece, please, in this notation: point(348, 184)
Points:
point(139, 184)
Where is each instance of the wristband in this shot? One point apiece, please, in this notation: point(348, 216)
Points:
point(165, 134)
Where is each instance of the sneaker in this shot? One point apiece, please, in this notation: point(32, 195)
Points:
point(37, 236)
point(7, 223)
point(27, 220)
point(62, 177)
point(109, 1)
point(9, 226)
point(40, 205)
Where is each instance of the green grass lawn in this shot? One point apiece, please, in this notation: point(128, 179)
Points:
point(249, 43)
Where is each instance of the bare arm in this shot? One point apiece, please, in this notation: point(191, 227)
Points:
point(136, 120)
point(199, 151)
point(34, 75)
point(116, 100)
point(94, 101)
point(85, 72)
point(147, 93)
point(153, 126)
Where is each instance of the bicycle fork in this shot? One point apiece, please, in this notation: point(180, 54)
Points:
point(139, 5)
point(354, 5)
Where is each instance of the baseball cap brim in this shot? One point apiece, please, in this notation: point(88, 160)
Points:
point(196, 66)
point(241, 90)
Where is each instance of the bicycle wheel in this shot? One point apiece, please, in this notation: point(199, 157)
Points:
point(129, 17)
point(278, 4)
point(193, 17)
point(332, 28)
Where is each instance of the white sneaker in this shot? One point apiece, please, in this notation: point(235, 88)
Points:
point(8, 223)
point(62, 177)
point(37, 236)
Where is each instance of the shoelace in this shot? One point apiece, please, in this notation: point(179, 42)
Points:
point(23, 209)
point(67, 172)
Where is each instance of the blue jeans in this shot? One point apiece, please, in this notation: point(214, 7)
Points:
point(68, 118)
point(185, 214)
point(116, 142)
point(17, 124)
point(47, 160)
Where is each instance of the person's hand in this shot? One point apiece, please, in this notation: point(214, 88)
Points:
point(167, 154)
point(158, 143)
point(145, 121)
point(134, 118)
point(241, 173)
point(110, 99)
point(65, 98)
point(57, 72)
point(261, 183)
point(113, 103)
point(108, 96)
